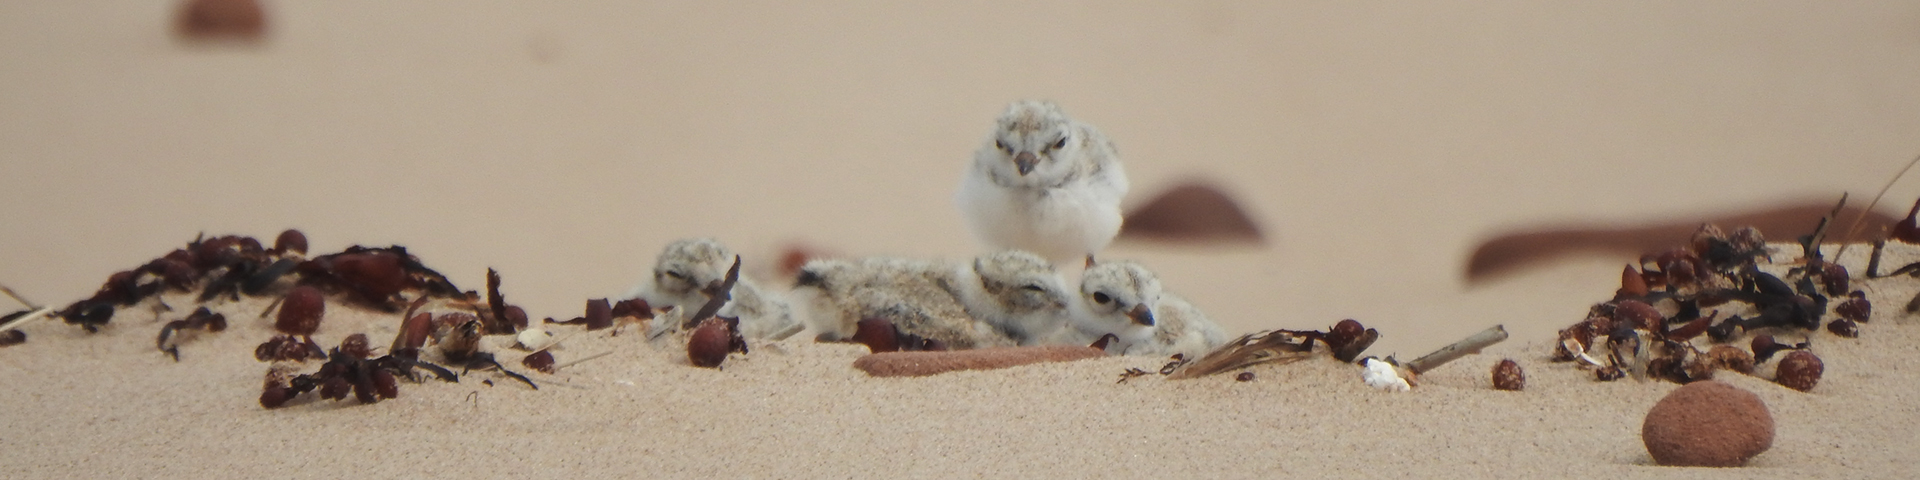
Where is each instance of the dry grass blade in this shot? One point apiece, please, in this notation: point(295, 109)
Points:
point(1253, 349)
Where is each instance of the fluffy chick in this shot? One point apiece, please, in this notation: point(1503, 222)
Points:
point(1126, 300)
point(1044, 183)
point(1016, 292)
point(689, 265)
point(917, 296)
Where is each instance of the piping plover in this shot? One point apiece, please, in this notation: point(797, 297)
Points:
point(1126, 300)
point(916, 295)
point(687, 266)
point(1016, 292)
point(1044, 183)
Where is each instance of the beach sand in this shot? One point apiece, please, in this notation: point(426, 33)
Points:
point(111, 405)
point(565, 144)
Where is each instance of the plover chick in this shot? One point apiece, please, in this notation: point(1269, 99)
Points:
point(918, 296)
point(1126, 300)
point(1016, 292)
point(685, 267)
point(1044, 183)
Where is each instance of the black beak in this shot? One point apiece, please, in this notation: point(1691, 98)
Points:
point(1025, 161)
point(1141, 315)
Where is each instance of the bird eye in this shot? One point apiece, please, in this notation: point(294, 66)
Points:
point(1001, 145)
point(1101, 298)
point(1059, 144)
point(676, 275)
point(1033, 288)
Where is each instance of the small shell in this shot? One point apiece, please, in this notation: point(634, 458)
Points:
point(534, 339)
point(1382, 375)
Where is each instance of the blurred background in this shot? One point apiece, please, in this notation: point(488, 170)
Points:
point(564, 144)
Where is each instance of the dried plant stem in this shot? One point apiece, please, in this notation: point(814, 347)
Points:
point(1469, 345)
point(582, 359)
point(16, 297)
point(36, 314)
point(1855, 228)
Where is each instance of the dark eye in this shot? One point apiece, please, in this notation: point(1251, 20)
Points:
point(1033, 288)
point(1062, 143)
point(676, 275)
point(1001, 145)
point(1101, 298)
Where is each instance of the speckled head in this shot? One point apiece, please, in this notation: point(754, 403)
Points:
point(686, 266)
point(1021, 281)
point(1030, 140)
point(1120, 292)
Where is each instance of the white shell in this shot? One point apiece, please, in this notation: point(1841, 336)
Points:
point(535, 339)
point(1381, 375)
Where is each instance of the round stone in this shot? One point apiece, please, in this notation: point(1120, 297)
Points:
point(1707, 424)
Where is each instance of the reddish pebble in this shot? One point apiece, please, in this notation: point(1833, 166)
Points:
point(1799, 371)
point(1507, 376)
point(1244, 376)
point(300, 312)
point(1707, 424)
point(709, 344)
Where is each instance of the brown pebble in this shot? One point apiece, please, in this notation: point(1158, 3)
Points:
point(877, 334)
point(236, 19)
point(919, 364)
point(300, 312)
point(1507, 376)
point(1799, 371)
point(1244, 376)
point(1707, 424)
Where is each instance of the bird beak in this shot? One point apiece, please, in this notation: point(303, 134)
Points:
point(1141, 315)
point(1025, 161)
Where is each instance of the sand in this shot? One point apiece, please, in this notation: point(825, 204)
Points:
point(564, 144)
point(109, 404)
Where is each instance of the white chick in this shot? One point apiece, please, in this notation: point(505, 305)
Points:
point(1043, 183)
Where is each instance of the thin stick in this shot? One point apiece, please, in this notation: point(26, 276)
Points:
point(1848, 240)
point(30, 316)
point(582, 359)
point(1462, 348)
point(16, 297)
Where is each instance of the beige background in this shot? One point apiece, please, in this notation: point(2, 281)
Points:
point(564, 144)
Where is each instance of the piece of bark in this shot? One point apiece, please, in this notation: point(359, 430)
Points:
point(920, 364)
